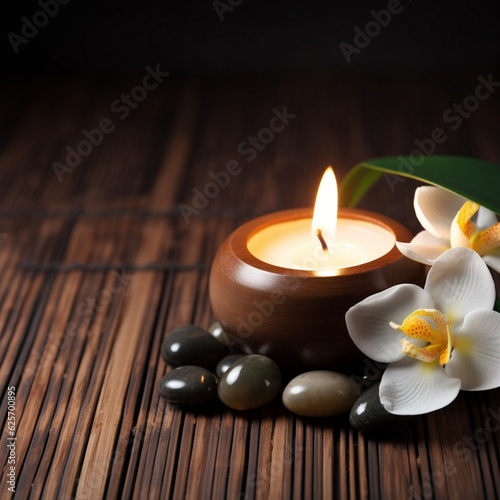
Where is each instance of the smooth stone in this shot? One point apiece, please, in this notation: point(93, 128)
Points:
point(251, 382)
point(368, 414)
point(225, 363)
point(320, 393)
point(190, 345)
point(188, 385)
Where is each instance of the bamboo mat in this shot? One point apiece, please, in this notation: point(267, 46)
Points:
point(98, 268)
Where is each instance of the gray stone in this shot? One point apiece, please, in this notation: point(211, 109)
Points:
point(188, 385)
point(368, 414)
point(320, 393)
point(226, 362)
point(251, 382)
point(218, 332)
point(190, 345)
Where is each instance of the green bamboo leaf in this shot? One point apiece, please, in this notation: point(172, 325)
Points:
point(474, 179)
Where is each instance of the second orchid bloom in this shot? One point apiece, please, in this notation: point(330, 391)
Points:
point(451, 221)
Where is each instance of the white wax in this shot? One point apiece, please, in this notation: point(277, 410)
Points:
point(291, 245)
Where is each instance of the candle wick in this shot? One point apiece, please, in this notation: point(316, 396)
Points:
point(319, 234)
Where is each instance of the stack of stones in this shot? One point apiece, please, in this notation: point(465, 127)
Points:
point(205, 369)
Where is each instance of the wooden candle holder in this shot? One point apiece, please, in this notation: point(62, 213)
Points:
point(297, 317)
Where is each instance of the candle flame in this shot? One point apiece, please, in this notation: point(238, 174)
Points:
point(324, 222)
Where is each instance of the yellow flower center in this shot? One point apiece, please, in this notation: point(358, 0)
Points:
point(481, 241)
point(431, 326)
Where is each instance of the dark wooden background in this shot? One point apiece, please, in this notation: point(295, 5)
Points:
point(98, 268)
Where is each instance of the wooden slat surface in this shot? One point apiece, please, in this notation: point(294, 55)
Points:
point(98, 268)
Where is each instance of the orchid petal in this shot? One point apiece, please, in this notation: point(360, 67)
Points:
point(486, 218)
point(368, 322)
point(464, 216)
point(431, 327)
point(411, 387)
point(424, 248)
point(492, 259)
point(435, 209)
point(476, 356)
point(457, 236)
point(487, 240)
point(460, 282)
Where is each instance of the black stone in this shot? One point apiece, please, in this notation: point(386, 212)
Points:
point(190, 345)
point(216, 330)
point(369, 415)
point(226, 362)
point(188, 385)
point(251, 382)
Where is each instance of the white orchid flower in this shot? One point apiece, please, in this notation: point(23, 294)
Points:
point(447, 219)
point(438, 340)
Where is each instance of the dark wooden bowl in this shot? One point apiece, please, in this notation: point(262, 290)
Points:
point(294, 316)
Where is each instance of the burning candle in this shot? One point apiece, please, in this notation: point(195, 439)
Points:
point(281, 284)
point(324, 242)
